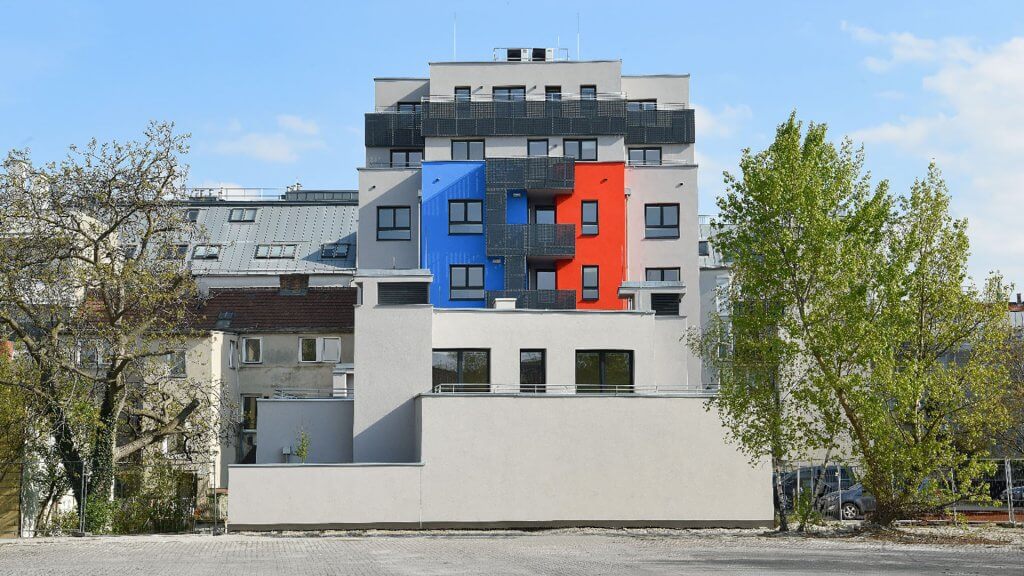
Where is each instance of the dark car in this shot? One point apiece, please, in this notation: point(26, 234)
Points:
point(1016, 493)
point(830, 478)
point(847, 504)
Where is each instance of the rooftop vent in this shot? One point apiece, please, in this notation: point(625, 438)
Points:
point(530, 54)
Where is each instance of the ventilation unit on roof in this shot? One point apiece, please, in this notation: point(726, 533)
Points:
point(526, 54)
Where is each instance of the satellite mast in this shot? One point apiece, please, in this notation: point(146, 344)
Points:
point(577, 35)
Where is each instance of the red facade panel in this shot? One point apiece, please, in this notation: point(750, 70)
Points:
point(605, 183)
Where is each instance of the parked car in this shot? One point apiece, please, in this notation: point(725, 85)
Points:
point(1016, 493)
point(832, 478)
point(848, 504)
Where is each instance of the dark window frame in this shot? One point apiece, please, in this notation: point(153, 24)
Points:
point(460, 90)
point(661, 272)
point(579, 149)
point(553, 93)
point(536, 282)
point(534, 387)
point(585, 225)
point(242, 218)
point(192, 214)
point(460, 385)
point(596, 288)
point(544, 208)
point(483, 282)
point(405, 152)
point(483, 150)
point(640, 104)
point(283, 246)
point(416, 106)
point(645, 150)
point(547, 147)
point(393, 227)
point(661, 218)
point(465, 202)
point(509, 88)
point(703, 248)
point(209, 252)
point(327, 253)
point(584, 88)
point(603, 387)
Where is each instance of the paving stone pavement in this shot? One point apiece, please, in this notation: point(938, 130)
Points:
point(592, 552)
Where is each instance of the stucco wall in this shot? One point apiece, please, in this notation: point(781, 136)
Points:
point(387, 187)
point(482, 77)
point(390, 91)
point(327, 423)
point(528, 461)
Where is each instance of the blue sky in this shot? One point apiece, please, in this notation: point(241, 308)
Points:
point(274, 93)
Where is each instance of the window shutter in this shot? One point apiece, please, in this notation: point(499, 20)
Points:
point(330, 350)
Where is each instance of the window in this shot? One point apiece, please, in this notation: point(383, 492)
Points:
point(467, 282)
point(462, 370)
point(580, 149)
point(638, 105)
point(590, 283)
point(252, 350)
point(661, 220)
point(232, 353)
point(327, 349)
point(509, 93)
point(242, 215)
point(467, 149)
point(175, 364)
point(604, 371)
point(394, 223)
point(588, 92)
point(462, 94)
point(409, 107)
point(192, 214)
point(553, 93)
point(275, 251)
point(544, 215)
point(532, 371)
point(332, 251)
point(174, 252)
point(645, 156)
point(589, 217)
point(722, 294)
point(537, 147)
point(92, 354)
point(249, 411)
point(402, 293)
point(663, 274)
point(546, 280)
point(465, 217)
point(406, 158)
point(665, 304)
point(206, 252)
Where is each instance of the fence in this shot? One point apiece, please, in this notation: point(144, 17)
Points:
point(833, 491)
point(167, 496)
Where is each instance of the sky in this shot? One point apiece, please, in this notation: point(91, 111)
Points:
point(274, 93)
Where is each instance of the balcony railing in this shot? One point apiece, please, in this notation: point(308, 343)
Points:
point(394, 129)
point(662, 126)
point(572, 389)
point(603, 114)
point(537, 299)
point(531, 173)
point(558, 240)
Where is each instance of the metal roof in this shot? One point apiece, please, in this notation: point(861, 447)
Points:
point(307, 225)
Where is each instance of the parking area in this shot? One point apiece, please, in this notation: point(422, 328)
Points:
point(500, 552)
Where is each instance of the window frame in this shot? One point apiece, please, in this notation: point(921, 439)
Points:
point(544, 208)
point(460, 385)
point(547, 147)
point(174, 252)
point(465, 202)
point(549, 93)
point(602, 387)
point(596, 223)
point(452, 288)
point(661, 216)
point(661, 272)
point(534, 387)
point(192, 214)
point(583, 283)
point(579, 149)
point(328, 254)
point(641, 105)
point(243, 218)
point(318, 349)
point(174, 360)
point(468, 142)
point(644, 150)
point(459, 90)
point(283, 254)
point(536, 278)
point(206, 252)
point(509, 89)
point(586, 87)
point(393, 227)
point(255, 412)
point(416, 106)
point(245, 359)
point(406, 152)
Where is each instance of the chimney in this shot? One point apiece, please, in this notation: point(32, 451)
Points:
point(294, 284)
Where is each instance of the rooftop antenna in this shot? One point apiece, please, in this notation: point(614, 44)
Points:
point(577, 35)
point(455, 35)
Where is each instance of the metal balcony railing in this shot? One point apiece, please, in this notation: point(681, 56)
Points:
point(603, 114)
point(537, 299)
point(661, 126)
point(394, 129)
point(572, 389)
point(507, 240)
point(531, 173)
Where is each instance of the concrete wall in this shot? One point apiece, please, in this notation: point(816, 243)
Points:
point(527, 461)
point(327, 423)
point(390, 91)
point(482, 77)
point(665, 88)
point(387, 187)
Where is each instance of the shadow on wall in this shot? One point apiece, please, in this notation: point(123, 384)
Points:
point(394, 438)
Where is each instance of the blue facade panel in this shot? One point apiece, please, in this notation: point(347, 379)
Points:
point(516, 211)
point(444, 181)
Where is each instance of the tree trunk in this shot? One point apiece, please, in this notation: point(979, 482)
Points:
point(779, 495)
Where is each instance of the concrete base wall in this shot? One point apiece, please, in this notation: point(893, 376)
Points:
point(516, 461)
point(327, 423)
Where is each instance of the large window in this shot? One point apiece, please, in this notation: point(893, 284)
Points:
point(252, 350)
point(465, 217)
point(532, 371)
point(661, 220)
point(604, 371)
point(591, 286)
point(537, 147)
point(462, 370)
point(588, 92)
point(242, 215)
point(545, 280)
point(638, 105)
point(663, 274)
point(467, 282)
point(275, 251)
point(588, 211)
point(409, 107)
point(406, 158)
point(543, 214)
point(509, 93)
point(580, 149)
point(645, 156)
point(552, 93)
point(394, 223)
point(462, 94)
point(317, 349)
point(467, 149)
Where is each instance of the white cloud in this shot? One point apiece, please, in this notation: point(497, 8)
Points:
point(976, 139)
point(722, 124)
point(298, 124)
point(903, 48)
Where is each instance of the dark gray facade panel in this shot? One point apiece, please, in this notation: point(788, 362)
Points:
point(660, 127)
point(394, 129)
point(536, 299)
point(402, 293)
point(524, 117)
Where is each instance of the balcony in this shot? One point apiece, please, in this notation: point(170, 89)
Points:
point(531, 173)
point(401, 129)
point(536, 299)
point(605, 114)
point(555, 240)
point(668, 124)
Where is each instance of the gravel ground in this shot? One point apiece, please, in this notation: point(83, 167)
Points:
point(582, 551)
